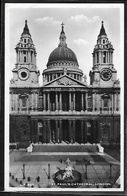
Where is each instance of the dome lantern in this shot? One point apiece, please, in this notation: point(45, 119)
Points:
point(62, 37)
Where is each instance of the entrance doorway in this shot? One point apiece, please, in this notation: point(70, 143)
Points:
point(90, 131)
point(53, 135)
point(78, 131)
point(65, 130)
point(65, 101)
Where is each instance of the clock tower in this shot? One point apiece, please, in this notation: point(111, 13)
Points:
point(103, 73)
point(25, 73)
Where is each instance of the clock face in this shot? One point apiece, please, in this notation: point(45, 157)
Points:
point(23, 74)
point(106, 74)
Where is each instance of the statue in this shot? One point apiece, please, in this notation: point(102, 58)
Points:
point(85, 77)
point(68, 170)
point(67, 177)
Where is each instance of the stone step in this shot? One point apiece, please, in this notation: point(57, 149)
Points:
point(64, 148)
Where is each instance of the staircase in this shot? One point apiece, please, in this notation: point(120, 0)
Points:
point(65, 148)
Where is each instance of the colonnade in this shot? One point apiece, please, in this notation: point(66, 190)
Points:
point(100, 55)
point(69, 131)
point(63, 99)
point(71, 101)
point(29, 54)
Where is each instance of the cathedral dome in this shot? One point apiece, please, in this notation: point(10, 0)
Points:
point(62, 53)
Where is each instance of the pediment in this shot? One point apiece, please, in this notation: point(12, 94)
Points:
point(64, 81)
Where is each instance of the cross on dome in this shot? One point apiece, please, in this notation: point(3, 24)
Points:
point(62, 37)
point(62, 27)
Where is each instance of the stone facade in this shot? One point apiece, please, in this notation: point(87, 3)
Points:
point(64, 108)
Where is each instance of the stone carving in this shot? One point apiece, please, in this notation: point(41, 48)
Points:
point(117, 82)
point(85, 78)
point(66, 82)
point(12, 81)
point(96, 81)
point(65, 71)
point(33, 81)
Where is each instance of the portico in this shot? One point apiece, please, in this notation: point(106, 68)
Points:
point(57, 130)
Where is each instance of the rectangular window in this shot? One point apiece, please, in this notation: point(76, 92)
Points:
point(24, 59)
point(24, 40)
point(90, 105)
point(97, 57)
point(104, 57)
point(24, 102)
point(40, 128)
point(106, 104)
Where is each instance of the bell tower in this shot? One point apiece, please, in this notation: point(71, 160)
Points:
point(25, 73)
point(103, 73)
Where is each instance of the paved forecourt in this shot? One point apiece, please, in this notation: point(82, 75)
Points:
point(97, 169)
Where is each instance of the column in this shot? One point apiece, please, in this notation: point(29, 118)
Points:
point(115, 102)
point(48, 131)
point(56, 131)
point(36, 100)
point(86, 100)
point(102, 57)
point(82, 100)
point(32, 131)
point(70, 133)
point(69, 101)
point(13, 101)
point(82, 132)
point(48, 101)
point(93, 102)
point(108, 58)
point(29, 56)
point(94, 131)
point(74, 101)
point(99, 57)
point(44, 101)
point(20, 103)
point(85, 131)
point(56, 101)
point(36, 131)
point(22, 57)
point(44, 131)
point(61, 101)
point(16, 56)
point(99, 131)
point(60, 130)
point(95, 57)
point(16, 103)
point(111, 57)
point(73, 131)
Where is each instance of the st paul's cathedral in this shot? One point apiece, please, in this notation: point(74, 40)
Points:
point(64, 109)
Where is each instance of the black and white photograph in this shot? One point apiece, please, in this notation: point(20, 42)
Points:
point(64, 97)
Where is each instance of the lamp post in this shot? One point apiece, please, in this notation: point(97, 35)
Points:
point(23, 171)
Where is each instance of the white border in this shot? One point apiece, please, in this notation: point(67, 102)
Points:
point(6, 123)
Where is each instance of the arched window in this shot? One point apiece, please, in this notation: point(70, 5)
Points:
point(23, 101)
point(106, 99)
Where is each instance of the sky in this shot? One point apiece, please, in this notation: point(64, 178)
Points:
point(82, 27)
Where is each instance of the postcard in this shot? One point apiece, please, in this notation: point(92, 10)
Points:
point(64, 97)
